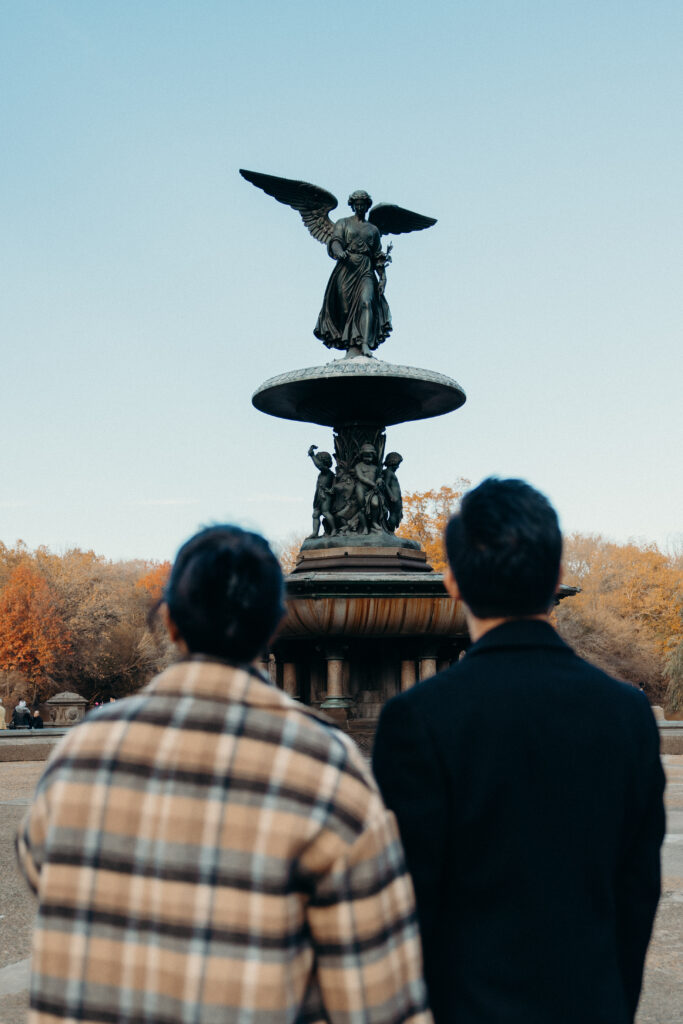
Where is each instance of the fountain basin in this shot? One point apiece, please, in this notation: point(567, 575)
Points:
point(327, 604)
point(362, 389)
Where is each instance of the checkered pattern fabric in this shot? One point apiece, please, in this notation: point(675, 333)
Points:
point(210, 851)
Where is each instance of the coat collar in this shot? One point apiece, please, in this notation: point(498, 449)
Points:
point(210, 678)
point(519, 633)
point(200, 676)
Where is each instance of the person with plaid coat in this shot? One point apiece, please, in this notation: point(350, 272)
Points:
point(209, 850)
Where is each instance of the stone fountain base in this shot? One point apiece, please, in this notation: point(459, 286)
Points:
point(351, 640)
point(352, 556)
point(366, 615)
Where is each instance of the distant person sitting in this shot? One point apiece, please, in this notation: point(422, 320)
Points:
point(209, 849)
point(21, 716)
point(37, 720)
point(528, 790)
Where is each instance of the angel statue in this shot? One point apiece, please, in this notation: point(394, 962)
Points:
point(355, 316)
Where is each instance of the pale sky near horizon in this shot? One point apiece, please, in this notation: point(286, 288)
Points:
point(148, 289)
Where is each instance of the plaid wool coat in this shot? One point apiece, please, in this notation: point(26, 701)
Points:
point(211, 851)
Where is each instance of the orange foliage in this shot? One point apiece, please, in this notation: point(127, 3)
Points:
point(287, 552)
point(154, 580)
point(32, 633)
point(111, 648)
point(425, 515)
point(627, 617)
point(637, 583)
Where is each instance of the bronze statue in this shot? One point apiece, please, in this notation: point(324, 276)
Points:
point(322, 500)
point(355, 316)
point(369, 491)
point(358, 498)
point(392, 491)
point(346, 509)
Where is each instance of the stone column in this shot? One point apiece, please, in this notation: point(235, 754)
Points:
point(408, 674)
point(289, 678)
point(272, 669)
point(335, 676)
point(335, 704)
point(427, 665)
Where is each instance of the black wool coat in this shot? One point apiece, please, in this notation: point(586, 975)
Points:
point(529, 794)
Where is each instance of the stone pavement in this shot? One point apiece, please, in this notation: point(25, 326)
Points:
point(17, 904)
point(661, 1001)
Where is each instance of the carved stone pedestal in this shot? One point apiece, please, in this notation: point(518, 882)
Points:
point(356, 639)
point(369, 557)
point(64, 709)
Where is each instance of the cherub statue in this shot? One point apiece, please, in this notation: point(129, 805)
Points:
point(368, 490)
point(355, 316)
point(344, 505)
point(322, 500)
point(392, 491)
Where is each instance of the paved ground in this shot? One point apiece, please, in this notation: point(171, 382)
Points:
point(17, 905)
point(661, 1002)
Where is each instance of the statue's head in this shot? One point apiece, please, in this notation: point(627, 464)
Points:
point(368, 453)
point(393, 460)
point(325, 458)
point(359, 196)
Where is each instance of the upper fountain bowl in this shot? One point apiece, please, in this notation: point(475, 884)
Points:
point(358, 390)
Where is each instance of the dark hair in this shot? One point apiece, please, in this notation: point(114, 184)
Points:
point(504, 548)
point(225, 593)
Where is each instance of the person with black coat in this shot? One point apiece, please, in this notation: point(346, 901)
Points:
point(529, 793)
point(21, 716)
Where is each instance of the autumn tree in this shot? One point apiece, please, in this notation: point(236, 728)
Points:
point(114, 650)
point(673, 672)
point(33, 635)
point(425, 515)
point(10, 558)
point(154, 580)
point(287, 552)
point(104, 608)
point(673, 667)
point(626, 619)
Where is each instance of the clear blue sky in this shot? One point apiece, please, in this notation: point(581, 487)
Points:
point(148, 290)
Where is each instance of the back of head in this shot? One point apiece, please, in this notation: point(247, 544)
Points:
point(225, 593)
point(504, 548)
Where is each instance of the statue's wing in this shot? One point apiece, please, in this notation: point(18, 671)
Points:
point(313, 203)
point(394, 220)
